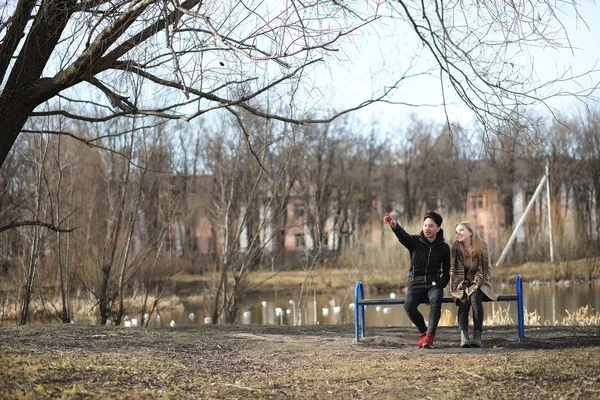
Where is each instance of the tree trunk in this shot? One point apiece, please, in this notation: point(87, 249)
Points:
point(17, 112)
point(24, 90)
point(103, 301)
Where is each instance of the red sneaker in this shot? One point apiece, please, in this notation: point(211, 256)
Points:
point(421, 340)
point(428, 342)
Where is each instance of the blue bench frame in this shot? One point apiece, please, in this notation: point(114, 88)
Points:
point(360, 303)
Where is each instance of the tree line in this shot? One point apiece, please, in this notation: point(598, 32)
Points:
point(124, 77)
point(128, 215)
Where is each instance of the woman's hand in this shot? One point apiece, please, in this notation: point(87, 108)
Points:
point(470, 290)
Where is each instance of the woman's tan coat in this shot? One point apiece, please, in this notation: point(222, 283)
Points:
point(481, 280)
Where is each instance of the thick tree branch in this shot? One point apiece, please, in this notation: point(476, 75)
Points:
point(147, 33)
point(88, 63)
point(116, 100)
point(15, 33)
point(221, 102)
point(52, 227)
point(42, 39)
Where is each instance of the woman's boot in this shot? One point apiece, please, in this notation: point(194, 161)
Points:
point(464, 339)
point(476, 339)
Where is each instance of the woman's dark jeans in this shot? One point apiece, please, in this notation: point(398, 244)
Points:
point(476, 301)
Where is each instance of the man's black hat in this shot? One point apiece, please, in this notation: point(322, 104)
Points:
point(437, 218)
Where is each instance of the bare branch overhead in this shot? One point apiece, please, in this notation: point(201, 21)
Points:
point(182, 59)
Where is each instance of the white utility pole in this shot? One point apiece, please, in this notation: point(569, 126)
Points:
point(549, 215)
point(522, 219)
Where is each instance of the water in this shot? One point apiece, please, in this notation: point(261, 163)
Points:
point(547, 304)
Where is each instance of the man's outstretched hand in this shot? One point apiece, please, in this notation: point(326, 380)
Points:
point(389, 220)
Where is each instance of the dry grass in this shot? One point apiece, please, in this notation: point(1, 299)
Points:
point(75, 362)
point(587, 269)
point(500, 317)
point(584, 316)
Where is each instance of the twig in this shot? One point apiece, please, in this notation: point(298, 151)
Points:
point(239, 387)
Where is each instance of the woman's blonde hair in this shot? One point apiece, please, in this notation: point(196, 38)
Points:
point(476, 240)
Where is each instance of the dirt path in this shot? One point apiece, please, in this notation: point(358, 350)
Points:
point(325, 362)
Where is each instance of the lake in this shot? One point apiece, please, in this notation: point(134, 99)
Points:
point(545, 304)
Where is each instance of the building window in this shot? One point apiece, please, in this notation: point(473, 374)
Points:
point(299, 240)
point(298, 210)
point(477, 202)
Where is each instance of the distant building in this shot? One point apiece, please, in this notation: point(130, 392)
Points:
point(493, 208)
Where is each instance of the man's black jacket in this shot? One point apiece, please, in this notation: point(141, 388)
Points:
point(429, 262)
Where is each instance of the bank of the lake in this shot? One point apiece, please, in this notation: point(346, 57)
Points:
point(555, 293)
point(323, 280)
point(184, 294)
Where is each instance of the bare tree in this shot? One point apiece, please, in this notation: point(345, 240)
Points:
point(361, 163)
point(40, 189)
point(62, 195)
point(119, 186)
point(588, 151)
point(196, 54)
point(186, 187)
point(245, 206)
point(194, 57)
point(504, 153)
point(326, 188)
point(418, 178)
point(130, 213)
point(456, 157)
point(39, 207)
point(564, 169)
point(483, 50)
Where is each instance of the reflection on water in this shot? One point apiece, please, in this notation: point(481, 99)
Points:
point(551, 303)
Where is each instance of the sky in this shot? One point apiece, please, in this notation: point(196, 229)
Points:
point(374, 58)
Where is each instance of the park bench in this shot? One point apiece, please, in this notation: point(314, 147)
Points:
point(360, 303)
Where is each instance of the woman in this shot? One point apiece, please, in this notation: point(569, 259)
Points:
point(470, 273)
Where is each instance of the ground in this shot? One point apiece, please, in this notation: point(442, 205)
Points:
point(281, 362)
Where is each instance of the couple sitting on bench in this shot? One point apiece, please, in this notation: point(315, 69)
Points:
point(431, 269)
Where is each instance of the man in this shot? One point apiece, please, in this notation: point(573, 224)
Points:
point(429, 273)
